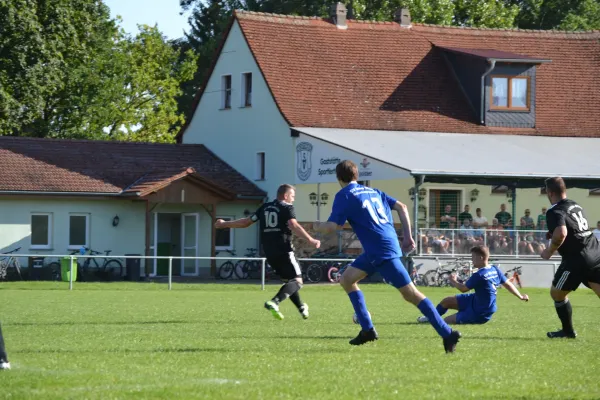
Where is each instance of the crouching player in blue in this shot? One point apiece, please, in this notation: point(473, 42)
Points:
point(369, 212)
point(478, 307)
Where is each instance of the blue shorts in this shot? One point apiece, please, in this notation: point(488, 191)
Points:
point(467, 313)
point(391, 270)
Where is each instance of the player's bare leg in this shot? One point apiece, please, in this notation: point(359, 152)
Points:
point(564, 311)
point(595, 287)
point(349, 281)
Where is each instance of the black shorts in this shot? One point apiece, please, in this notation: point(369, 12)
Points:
point(574, 271)
point(285, 265)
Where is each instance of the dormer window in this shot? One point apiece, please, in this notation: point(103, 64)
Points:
point(510, 93)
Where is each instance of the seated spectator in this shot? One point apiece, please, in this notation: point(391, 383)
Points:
point(467, 236)
point(525, 238)
point(529, 224)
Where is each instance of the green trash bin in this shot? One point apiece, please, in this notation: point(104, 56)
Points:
point(65, 270)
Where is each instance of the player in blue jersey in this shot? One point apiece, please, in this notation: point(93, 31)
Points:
point(369, 212)
point(478, 307)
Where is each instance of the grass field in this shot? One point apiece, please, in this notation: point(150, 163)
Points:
point(113, 341)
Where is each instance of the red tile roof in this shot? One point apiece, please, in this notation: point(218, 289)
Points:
point(378, 75)
point(52, 165)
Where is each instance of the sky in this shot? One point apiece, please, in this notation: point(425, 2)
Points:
point(165, 13)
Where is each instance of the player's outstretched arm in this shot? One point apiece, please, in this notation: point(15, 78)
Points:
point(513, 289)
point(460, 286)
point(299, 231)
point(558, 237)
point(238, 223)
point(408, 243)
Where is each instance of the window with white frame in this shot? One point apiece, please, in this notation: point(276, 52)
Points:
point(247, 89)
point(260, 166)
point(224, 238)
point(79, 231)
point(41, 231)
point(226, 91)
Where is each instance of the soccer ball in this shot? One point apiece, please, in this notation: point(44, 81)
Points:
point(355, 317)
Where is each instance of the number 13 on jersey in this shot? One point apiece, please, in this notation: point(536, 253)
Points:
point(376, 210)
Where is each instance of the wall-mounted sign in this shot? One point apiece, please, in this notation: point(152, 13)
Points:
point(316, 161)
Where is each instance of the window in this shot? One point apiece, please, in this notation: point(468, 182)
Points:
point(260, 166)
point(78, 231)
point(510, 93)
point(41, 231)
point(247, 89)
point(224, 238)
point(226, 91)
point(499, 189)
point(594, 192)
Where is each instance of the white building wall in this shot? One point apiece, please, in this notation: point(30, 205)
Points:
point(237, 134)
point(127, 237)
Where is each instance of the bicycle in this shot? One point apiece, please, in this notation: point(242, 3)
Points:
point(334, 273)
point(516, 276)
point(55, 270)
point(226, 269)
point(111, 268)
point(440, 276)
point(313, 273)
point(248, 269)
point(9, 261)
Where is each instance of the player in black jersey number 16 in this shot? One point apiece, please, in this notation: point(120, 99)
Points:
point(570, 234)
point(277, 223)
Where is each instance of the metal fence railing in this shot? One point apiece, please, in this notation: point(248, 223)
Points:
point(516, 243)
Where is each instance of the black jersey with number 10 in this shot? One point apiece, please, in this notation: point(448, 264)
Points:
point(580, 241)
point(275, 234)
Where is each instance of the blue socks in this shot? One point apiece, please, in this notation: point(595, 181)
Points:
point(438, 323)
point(360, 308)
point(441, 310)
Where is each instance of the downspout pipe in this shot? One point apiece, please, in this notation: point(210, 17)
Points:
point(492, 62)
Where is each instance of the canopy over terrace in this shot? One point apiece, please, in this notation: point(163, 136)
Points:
point(512, 160)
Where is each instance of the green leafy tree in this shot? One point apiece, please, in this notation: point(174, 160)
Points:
point(67, 70)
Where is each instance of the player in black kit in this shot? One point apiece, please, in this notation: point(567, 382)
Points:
point(277, 223)
point(580, 250)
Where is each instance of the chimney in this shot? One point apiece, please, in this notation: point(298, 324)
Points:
point(338, 15)
point(402, 16)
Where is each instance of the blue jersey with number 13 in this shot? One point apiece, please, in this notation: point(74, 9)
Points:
point(369, 212)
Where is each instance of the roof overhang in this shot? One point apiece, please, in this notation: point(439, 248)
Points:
point(487, 159)
point(497, 55)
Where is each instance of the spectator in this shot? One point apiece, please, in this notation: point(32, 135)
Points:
point(467, 236)
point(479, 223)
point(504, 218)
point(465, 215)
point(542, 217)
point(447, 218)
point(527, 221)
point(597, 231)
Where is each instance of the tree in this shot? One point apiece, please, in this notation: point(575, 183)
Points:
point(558, 14)
point(67, 70)
point(144, 84)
